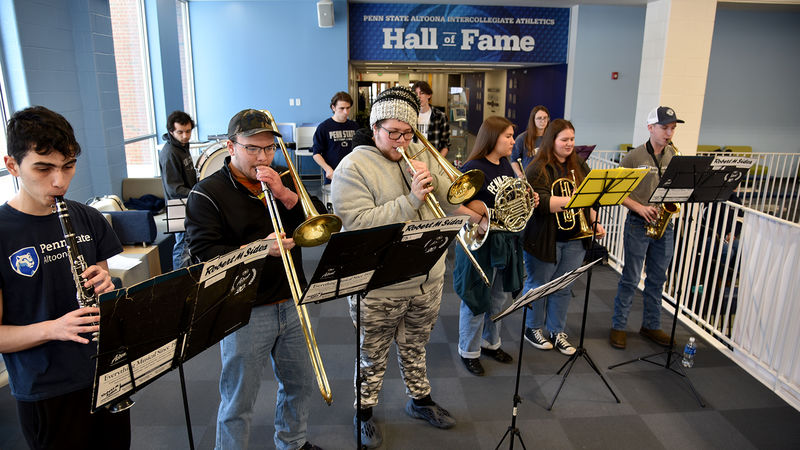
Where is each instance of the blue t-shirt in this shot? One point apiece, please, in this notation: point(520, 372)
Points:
point(334, 140)
point(495, 174)
point(519, 151)
point(37, 285)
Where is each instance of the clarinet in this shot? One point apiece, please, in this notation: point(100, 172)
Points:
point(86, 296)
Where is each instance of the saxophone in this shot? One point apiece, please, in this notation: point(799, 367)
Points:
point(86, 296)
point(656, 228)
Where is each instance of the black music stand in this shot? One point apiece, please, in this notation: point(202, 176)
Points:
point(600, 188)
point(692, 179)
point(155, 326)
point(521, 302)
point(356, 262)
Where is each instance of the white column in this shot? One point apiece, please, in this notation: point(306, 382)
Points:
point(675, 54)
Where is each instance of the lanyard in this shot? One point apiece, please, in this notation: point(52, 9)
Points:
point(652, 152)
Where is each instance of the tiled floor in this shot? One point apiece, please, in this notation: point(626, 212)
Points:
point(657, 409)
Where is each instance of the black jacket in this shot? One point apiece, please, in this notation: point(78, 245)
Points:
point(539, 237)
point(178, 174)
point(222, 215)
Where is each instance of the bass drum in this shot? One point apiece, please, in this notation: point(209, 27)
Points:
point(212, 159)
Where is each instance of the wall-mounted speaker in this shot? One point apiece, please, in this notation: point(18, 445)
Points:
point(325, 13)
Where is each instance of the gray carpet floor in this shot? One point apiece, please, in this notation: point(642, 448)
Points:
point(657, 408)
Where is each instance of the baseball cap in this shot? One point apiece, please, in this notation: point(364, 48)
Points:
point(248, 122)
point(662, 115)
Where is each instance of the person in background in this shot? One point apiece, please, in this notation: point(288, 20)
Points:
point(654, 254)
point(334, 137)
point(499, 256)
point(432, 123)
point(177, 173)
point(45, 337)
point(225, 211)
point(529, 141)
point(373, 187)
point(551, 251)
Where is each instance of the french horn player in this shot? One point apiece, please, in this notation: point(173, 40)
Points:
point(653, 253)
point(503, 204)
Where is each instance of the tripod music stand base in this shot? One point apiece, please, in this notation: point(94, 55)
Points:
point(673, 357)
point(580, 352)
point(512, 432)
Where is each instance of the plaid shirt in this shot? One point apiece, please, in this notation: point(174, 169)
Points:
point(438, 130)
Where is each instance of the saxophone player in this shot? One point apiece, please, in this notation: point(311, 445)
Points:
point(44, 335)
point(655, 254)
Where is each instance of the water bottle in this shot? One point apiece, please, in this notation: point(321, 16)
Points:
point(688, 353)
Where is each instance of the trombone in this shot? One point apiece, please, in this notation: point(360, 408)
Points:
point(436, 208)
point(316, 229)
point(462, 185)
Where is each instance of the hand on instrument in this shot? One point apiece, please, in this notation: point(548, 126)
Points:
point(99, 278)
point(71, 325)
point(535, 199)
point(600, 232)
point(650, 213)
point(272, 179)
point(421, 182)
point(274, 250)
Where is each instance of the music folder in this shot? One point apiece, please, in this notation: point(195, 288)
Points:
point(605, 187)
point(363, 260)
point(150, 328)
point(691, 179)
point(544, 290)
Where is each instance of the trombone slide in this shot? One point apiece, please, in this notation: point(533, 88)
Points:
point(294, 286)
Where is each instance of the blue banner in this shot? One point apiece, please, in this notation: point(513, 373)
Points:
point(408, 32)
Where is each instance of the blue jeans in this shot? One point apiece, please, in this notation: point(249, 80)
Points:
point(274, 333)
point(655, 255)
point(180, 252)
point(479, 331)
point(550, 312)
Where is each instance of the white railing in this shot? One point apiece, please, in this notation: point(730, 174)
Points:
point(734, 275)
point(772, 186)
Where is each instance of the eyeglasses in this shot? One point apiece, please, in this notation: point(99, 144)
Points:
point(255, 149)
point(540, 118)
point(395, 135)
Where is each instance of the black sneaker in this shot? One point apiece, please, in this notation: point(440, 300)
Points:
point(561, 344)
point(536, 338)
point(370, 433)
point(473, 365)
point(310, 446)
point(434, 414)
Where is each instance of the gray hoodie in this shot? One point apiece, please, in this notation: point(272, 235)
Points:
point(368, 190)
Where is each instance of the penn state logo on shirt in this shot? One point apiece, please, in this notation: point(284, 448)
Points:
point(25, 261)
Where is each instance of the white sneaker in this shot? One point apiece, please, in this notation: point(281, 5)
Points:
point(536, 338)
point(561, 344)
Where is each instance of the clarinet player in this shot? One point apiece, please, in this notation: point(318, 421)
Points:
point(45, 337)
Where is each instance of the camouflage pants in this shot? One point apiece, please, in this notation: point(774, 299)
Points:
point(406, 320)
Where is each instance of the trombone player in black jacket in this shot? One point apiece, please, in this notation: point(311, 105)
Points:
point(225, 211)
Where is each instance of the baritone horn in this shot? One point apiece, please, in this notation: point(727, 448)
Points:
point(317, 228)
point(462, 185)
point(566, 220)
